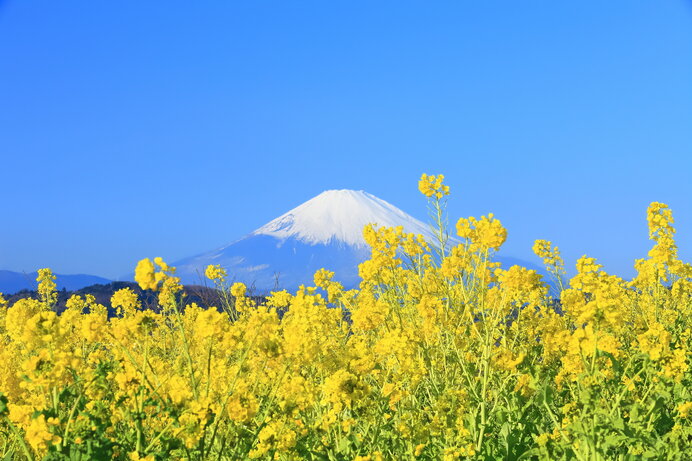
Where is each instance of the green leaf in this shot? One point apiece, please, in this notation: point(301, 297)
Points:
point(3, 404)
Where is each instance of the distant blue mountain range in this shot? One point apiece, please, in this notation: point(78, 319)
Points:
point(12, 282)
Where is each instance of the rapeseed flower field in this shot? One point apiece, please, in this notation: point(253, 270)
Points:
point(439, 354)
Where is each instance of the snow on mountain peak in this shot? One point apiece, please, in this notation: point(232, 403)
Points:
point(339, 216)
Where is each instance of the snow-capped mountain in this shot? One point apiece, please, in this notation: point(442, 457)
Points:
point(338, 216)
point(324, 232)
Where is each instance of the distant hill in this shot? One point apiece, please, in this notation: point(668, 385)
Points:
point(203, 296)
point(12, 282)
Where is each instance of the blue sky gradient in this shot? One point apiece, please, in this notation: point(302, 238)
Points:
point(136, 129)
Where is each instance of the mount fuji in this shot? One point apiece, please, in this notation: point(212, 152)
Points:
point(324, 232)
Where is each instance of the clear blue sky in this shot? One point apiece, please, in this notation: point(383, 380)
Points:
point(131, 129)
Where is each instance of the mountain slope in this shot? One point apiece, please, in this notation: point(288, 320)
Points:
point(326, 231)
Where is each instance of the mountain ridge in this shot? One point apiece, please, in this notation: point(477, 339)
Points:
point(12, 282)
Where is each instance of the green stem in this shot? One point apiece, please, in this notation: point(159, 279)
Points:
point(486, 366)
point(17, 434)
point(158, 436)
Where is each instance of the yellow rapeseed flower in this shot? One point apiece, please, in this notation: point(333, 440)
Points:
point(144, 275)
point(432, 186)
point(215, 273)
point(238, 290)
point(47, 289)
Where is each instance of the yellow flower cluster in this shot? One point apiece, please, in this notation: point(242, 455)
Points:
point(432, 186)
point(47, 287)
point(552, 260)
point(216, 273)
point(486, 233)
point(440, 353)
point(125, 301)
